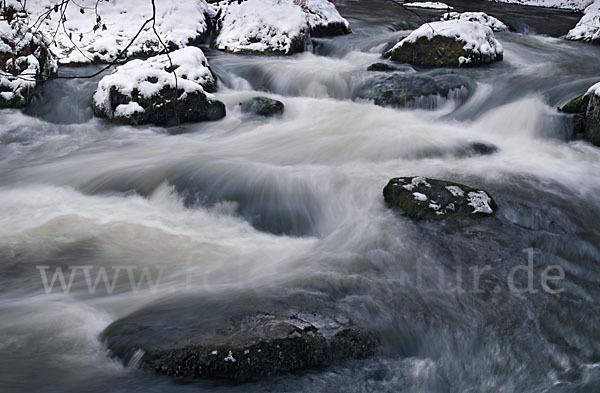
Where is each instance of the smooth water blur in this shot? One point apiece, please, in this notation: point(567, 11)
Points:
point(290, 209)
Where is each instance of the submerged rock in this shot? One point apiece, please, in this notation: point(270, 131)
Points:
point(275, 27)
point(400, 90)
point(243, 347)
point(452, 43)
point(147, 91)
point(25, 61)
point(586, 111)
point(381, 67)
point(431, 199)
point(262, 106)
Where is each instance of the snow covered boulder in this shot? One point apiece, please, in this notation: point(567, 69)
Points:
point(96, 31)
point(277, 27)
point(452, 43)
point(586, 109)
point(25, 61)
point(153, 91)
point(430, 199)
point(588, 28)
point(479, 17)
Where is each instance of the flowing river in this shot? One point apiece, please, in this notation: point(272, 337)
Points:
point(290, 210)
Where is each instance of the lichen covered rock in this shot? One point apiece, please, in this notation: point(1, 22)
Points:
point(586, 111)
point(430, 199)
point(25, 61)
point(450, 43)
point(245, 348)
point(262, 106)
point(153, 91)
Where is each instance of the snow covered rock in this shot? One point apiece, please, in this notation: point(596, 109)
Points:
point(147, 91)
point(452, 43)
point(25, 61)
point(434, 5)
point(275, 26)
point(92, 36)
point(576, 5)
point(588, 28)
point(244, 347)
point(586, 109)
point(431, 199)
point(479, 17)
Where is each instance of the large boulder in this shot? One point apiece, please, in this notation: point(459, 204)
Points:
point(586, 111)
point(409, 89)
point(97, 31)
point(588, 28)
point(153, 91)
point(451, 43)
point(276, 27)
point(431, 199)
point(25, 61)
point(239, 345)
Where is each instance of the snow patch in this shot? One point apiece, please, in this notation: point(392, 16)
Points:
point(577, 5)
point(272, 26)
point(419, 197)
point(456, 191)
point(588, 28)
point(429, 4)
point(480, 201)
point(594, 89)
point(479, 17)
point(177, 23)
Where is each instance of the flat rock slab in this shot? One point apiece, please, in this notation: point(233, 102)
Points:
point(430, 199)
point(234, 344)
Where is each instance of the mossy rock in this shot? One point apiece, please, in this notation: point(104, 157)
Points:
point(402, 89)
point(438, 51)
point(330, 29)
point(262, 106)
point(245, 348)
point(168, 107)
point(586, 116)
point(430, 199)
point(592, 116)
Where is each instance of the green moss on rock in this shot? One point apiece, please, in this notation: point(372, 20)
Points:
point(438, 51)
point(430, 199)
point(586, 116)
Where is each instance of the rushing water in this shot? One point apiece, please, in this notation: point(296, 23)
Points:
point(290, 210)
